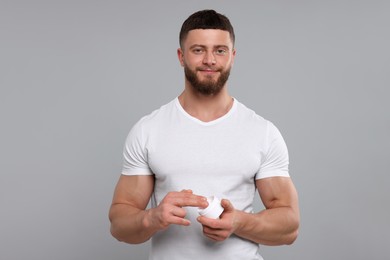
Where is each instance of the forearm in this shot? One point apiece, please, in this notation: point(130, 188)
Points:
point(276, 226)
point(129, 224)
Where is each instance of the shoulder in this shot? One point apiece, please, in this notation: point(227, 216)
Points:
point(156, 117)
point(150, 123)
point(249, 118)
point(246, 114)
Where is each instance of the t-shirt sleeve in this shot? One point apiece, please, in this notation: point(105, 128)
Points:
point(275, 162)
point(135, 157)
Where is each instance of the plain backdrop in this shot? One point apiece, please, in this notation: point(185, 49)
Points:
point(76, 75)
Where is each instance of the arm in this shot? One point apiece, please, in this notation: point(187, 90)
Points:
point(276, 225)
point(132, 223)
point(127, 211)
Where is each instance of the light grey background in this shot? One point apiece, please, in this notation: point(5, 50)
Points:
point(76, 75)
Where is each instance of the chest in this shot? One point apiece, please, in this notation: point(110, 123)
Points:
point(178, 154)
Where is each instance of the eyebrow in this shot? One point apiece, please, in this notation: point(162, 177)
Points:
point(205, 47)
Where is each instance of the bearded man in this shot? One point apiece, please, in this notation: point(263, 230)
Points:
point(205, 144)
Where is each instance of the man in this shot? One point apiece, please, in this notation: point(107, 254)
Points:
point(205, 143)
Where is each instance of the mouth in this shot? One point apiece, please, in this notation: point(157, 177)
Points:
point(208, 71)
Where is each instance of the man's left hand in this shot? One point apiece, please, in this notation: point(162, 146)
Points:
point(222, 228)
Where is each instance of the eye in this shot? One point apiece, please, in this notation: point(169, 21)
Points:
point(221, 51)
point(197, 50)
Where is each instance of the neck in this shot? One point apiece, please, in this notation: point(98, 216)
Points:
point(206, 108)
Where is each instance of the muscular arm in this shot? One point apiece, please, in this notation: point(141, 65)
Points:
point(276, 225)
point(132, 223)
point(127, 211)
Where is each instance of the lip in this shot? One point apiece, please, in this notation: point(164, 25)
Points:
point(208, 71)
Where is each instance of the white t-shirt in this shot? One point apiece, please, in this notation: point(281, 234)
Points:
point(223, 158)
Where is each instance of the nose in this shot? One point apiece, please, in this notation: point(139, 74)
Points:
point(209, 58)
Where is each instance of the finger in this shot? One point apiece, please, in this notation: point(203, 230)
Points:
point(218, 234)
point(179, 212)
point(227, 205)
point(211, 231)
point(179, 221)
point(209, 222)
point(214, 237)
point(185, 199)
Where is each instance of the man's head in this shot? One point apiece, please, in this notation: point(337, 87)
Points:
point(206, 51)
point(206, 19)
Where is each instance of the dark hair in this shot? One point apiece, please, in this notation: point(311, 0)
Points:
point(206, 19)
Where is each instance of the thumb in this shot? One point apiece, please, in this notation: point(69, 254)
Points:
point(227, 205)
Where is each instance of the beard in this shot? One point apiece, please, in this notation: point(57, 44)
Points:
point(208, 86)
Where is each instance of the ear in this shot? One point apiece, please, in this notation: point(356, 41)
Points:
point(180, 56)
point(233, 56)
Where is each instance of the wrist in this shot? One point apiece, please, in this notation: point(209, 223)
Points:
point(244, 223)
point(147, 221)
point(238, 221)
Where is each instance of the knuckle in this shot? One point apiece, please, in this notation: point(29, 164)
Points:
point(163, 207)
point(169, 196)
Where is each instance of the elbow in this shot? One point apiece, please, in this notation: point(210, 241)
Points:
point(293, 234)
point(121, 238)
point(294, 228)
point(126, 237)
point(114, 231)
point(115, 234)
point(290, 239)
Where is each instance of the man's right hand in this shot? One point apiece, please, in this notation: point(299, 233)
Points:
point(171, 211)
point(132, 223)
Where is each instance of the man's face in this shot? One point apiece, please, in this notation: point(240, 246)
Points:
point(207, 57)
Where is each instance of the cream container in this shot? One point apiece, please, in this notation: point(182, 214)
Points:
point(214, 209)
